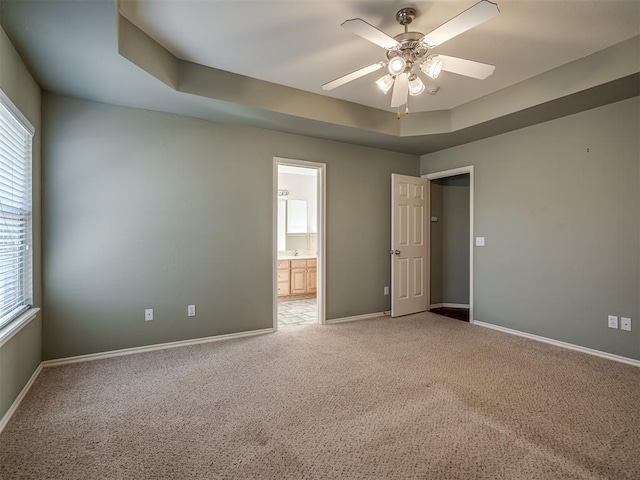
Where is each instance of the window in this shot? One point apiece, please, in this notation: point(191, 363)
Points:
point(16, 289)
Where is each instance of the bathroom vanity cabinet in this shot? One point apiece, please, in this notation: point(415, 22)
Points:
point(297, 277)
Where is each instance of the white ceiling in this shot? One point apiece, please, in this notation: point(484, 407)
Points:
point(86, 49)
point(300, 43)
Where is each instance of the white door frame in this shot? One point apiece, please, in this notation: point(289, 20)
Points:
point(321, 208)
point(452, 173)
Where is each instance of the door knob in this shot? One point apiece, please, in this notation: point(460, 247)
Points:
point(397, 252)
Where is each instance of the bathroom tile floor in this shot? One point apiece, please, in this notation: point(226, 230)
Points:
point(298, 312)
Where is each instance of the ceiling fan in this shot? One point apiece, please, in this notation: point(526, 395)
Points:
point(410, 51)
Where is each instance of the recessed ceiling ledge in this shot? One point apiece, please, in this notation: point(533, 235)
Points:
point(229, 87)
point(601, 68)
point(188, 77)
point(608, 65)
point(143, 51)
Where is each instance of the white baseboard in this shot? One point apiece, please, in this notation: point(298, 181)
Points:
point(16, 403)
point(449, 305)
point(558, 343)
point(150, 348)
point(366, 316)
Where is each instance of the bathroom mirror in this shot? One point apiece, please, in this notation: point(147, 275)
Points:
point(282, 232)
point(296, 216)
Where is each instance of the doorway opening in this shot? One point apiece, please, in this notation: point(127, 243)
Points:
point(299, 243)
point(451, 243)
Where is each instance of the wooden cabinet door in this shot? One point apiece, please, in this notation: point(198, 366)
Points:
point(311, 280)
point(298, 281)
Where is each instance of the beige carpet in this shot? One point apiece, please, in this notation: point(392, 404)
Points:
point(418, 397)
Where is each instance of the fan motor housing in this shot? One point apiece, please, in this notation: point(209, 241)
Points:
point(410, 47)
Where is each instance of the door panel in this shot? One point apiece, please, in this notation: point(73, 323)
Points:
point(403, 278)
point(418, 277)
point(418, 225)
point(409, 243)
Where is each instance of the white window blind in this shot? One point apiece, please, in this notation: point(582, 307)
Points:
point(15, 212)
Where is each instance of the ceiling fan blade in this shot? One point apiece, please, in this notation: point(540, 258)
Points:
point(468, 68)
point(400, 90)
point(472, 17)
point(369, 32)
point(352, 76)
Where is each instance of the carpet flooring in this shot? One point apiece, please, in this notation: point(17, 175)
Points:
point(418, 397)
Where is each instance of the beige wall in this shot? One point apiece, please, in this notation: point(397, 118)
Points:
point(559, 206)
point(20, 356)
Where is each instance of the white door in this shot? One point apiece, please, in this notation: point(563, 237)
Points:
point(409, 244)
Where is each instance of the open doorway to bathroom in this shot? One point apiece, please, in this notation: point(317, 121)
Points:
point(299, 243)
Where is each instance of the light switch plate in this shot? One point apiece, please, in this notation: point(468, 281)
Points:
point(191, 310)
point(148, 314)
point(625, 324)
point(479, 241)
point(612, 321)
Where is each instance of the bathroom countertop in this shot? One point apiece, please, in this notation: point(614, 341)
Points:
point(299, 257)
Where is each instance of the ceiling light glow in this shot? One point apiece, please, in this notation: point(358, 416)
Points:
point(397, 66)
point(385, 83)
point(416, 87)
point(432, 67)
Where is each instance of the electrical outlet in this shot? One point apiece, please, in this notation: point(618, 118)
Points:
point(386, 290)
point(625, 324)
point(191, 310)
point(613, 321)
point(148, 314)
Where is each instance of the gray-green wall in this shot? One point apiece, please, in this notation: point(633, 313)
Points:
point(150, 210)
point(559, 206)
point(450, 240)
point(21, 354)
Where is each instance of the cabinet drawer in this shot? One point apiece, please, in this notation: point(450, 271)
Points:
point(283, 289)
point(312, 262)
point(283, 263)
point(298, 264)
point(283, 275)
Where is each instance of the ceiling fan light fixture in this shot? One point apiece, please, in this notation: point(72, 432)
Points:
point(416, 87)
point(385, 83)
point(432, 67)
point(397, 65)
